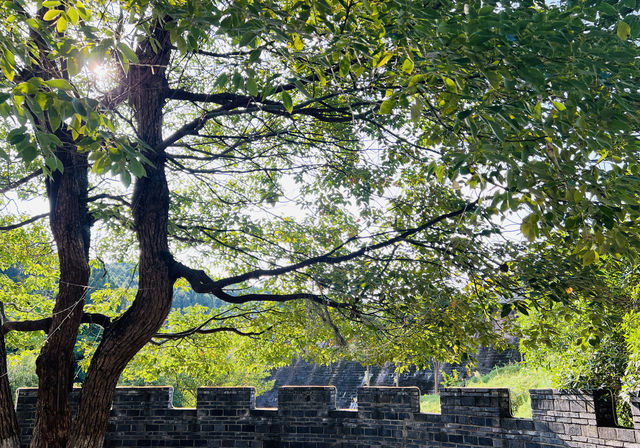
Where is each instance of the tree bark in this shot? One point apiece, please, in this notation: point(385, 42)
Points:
point(55, 365)
point(150, 206)
point(9, 431)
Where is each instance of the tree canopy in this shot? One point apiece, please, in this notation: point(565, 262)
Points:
point(342, 173)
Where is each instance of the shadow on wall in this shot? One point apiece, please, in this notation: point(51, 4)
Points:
point(348, 376)
point(307, 417)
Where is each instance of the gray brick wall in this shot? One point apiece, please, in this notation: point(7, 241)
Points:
point(306, 417)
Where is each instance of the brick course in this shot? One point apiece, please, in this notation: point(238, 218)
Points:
point(307, 417)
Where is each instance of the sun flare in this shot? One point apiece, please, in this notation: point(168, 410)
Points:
point(101, 72)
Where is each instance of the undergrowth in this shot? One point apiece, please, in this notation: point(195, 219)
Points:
point(517, 377)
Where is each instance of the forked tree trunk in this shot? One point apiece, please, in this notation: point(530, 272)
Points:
point(55, 365)
point(127, 335)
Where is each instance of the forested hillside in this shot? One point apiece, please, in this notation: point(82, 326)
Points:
point(124, 275)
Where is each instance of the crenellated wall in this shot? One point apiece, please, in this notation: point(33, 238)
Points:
point(306, 417)
point(348, 376)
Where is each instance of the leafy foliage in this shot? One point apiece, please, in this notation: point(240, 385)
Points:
point(584, 336)
point(631, 380)
point(222, 359)
point(536, 100)
point(342, 172)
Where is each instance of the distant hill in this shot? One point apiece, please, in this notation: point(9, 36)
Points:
point(125, 275)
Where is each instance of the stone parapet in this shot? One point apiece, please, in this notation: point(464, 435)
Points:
point(387, 417)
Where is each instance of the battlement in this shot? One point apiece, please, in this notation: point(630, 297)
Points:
point(307, 416)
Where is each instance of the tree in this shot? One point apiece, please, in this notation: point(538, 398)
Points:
point(400, 129)
point(28, 275)
point(579, 324)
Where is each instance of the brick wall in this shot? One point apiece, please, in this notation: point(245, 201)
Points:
point(306, 417)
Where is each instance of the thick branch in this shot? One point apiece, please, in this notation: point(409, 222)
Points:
point(328, 259)
point(226, 98)
point(22, 181)
point(203, 284)
point(45, 324)
point(233, 104)
point(219, 55)
point(245, 298)
point(23, 223)
point(192, 331)
point(109, 196)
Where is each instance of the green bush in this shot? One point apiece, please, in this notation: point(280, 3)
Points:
point(22, 369)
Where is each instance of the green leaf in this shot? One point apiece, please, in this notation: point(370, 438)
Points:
point(181, 43)
point(558, 105)
point(125, 63)
point(529, 227)
point(416, 111)
point(624, 30)
point(16, 135)
point(61, 24)
point(345, 65)
point(125, 178)
point(254, 56)
point(287, 101)
point(440, 173)
point(128, 52)
point(78, 107)
point(607, 9)
point(252, 86)
point(73, 67)
point(497, 129)
point(10, 57)
point(303, 89)
point(222, 80)
point(51, 14)
point(8, 71)
point(72, 13)
point(62, 84)
point(297, 42)
point(387, 106)
point(537, 111)
point(237, 80)
point(136, 168)
point(29, 153)
point(495, 79)
point(407, 66)
point(54, 119)
point(247, 38)
point(384, 58)
point(464, 114)
point(589, 257)
point(51, 163)
point(450, 84)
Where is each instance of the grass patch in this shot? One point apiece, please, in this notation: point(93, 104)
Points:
point(517, 377)
point(430, 403)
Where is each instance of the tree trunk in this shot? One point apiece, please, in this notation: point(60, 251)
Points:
point(55, 365)
point(127, 335)
point(9, 431)
point(436, 377)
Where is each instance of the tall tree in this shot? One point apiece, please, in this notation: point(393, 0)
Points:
point(399, 129)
